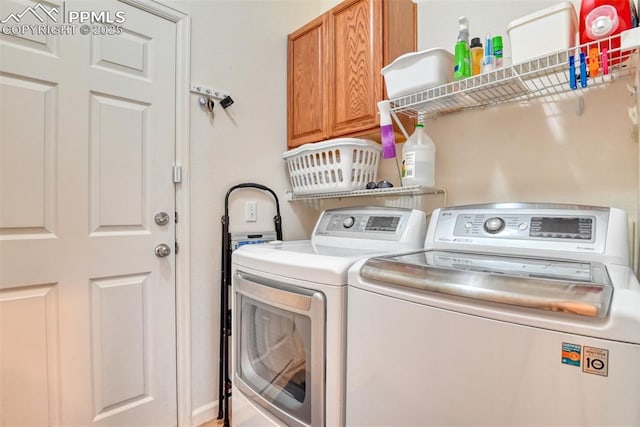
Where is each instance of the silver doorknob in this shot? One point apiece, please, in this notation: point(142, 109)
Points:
point(162, 218)
point(162, 250)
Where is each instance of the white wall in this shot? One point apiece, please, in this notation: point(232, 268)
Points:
point(238, 46)
point(538, 152)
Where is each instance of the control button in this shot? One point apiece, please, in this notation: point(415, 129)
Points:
point(523, 226)
point(468, 224)
point(348, 222)
point(494, 225)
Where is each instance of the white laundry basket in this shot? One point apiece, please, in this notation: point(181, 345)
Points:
point(337, 165)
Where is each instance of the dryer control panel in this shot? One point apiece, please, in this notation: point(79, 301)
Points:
point(377, 225)
point(358, 223)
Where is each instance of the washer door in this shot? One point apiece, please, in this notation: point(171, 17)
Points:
point(575, 287)
point(280, 345)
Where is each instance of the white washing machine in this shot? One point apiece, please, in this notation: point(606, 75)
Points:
point(289, 312)
point(513, 315)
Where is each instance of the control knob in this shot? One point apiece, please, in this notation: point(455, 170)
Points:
point(348, 222)
point(494, 225)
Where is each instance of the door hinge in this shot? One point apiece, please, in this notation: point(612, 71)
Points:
point(175, 217)
point(177, 174)
point(177, 248)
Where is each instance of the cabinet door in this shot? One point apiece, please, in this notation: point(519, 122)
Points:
point(400, 28)
point(356, 84)
point(307, 100)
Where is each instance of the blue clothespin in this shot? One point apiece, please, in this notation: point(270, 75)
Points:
point(583, 70)
point(572, 73)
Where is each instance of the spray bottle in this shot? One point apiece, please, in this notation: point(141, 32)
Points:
point(387, 136)
point(462, 56)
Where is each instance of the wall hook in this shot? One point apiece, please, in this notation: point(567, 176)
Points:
point(209, 93)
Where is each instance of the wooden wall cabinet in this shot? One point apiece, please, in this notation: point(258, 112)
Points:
point(334, 62)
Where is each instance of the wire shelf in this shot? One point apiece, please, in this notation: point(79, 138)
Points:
point(413, 190)
point(546, 76)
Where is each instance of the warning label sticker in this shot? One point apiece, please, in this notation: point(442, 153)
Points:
point(595, 361)
point(571, 354)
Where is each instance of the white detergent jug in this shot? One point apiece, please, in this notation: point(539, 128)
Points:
point(418, 159)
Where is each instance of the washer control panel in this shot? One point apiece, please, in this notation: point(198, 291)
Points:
point(586, 233)
point(512, 228)
point(525, 226)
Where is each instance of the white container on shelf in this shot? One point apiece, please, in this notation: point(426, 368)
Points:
point(417, 71)
point(336, 165)
point(419, 159)
point(543, 32)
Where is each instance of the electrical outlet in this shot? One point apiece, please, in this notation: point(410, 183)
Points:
point(251, 211)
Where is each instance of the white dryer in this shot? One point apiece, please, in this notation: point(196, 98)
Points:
point(289, 313)
point(514, 314)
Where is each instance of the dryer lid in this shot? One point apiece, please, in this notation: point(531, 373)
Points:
point(302, 260)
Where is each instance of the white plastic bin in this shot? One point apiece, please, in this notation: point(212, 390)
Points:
point(337, 165)
point(543, 32)
point(418, 71)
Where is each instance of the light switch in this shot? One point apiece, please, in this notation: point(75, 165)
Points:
point(251, 212)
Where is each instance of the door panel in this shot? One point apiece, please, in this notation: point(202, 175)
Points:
point(120, 353)
point(119, 164)
point(28, 208)
point(44, 43)
point(29, 356)
point(87, 145)
point(128, 53)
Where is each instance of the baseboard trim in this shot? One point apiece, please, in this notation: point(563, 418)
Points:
point(204, 413)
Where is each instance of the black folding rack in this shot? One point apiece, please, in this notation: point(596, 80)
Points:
point(224, 382)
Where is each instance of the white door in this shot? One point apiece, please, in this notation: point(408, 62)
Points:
point(87, 142)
